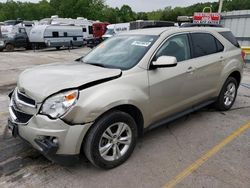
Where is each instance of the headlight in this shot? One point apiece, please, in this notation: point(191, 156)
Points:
point(1, 43)
point(58, 104)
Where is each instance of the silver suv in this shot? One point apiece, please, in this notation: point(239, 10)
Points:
point(129, 84)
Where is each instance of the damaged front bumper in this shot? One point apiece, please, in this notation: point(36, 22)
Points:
point(55, 139)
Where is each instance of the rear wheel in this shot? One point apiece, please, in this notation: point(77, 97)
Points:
point(111, 140)
point(227, 95)
point(9, 47)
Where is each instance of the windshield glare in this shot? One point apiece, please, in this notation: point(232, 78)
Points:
point(122, 52)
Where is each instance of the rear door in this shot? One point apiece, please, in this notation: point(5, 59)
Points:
point(207, 51)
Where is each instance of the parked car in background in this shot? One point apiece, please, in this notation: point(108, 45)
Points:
point(131, 83)
point(15, 34)
point(16, 38)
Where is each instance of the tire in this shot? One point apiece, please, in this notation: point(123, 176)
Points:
point(227, 95)
point(9, 47)
point(95, 140)
point(58, 47)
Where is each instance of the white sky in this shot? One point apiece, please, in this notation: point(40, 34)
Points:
point(150, 5)
point(145, 5)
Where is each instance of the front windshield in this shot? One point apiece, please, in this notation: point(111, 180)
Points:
point(122, 52)
point(109, 32)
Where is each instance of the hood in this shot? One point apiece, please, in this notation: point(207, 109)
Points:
point(45, 80)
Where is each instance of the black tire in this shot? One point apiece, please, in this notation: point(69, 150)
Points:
point(93, 139)
point(9, 47)
point(220, 103)
point(58, 47)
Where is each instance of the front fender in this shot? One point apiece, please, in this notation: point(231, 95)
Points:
point(97, 100)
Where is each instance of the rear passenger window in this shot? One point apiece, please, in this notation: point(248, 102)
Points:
point(203, 44)
point(230, 37)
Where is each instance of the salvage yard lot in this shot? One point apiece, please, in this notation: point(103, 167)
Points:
point(160, 156)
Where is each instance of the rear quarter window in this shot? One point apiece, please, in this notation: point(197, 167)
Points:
point(230, 37)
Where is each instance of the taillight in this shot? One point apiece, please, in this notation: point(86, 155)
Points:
point(243, 55)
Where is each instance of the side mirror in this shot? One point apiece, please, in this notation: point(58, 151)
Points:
point(165, 61)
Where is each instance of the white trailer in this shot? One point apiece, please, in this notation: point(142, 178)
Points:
point(80, 21)
point(56, 36)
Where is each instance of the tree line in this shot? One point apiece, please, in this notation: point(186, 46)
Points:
point(99, 10)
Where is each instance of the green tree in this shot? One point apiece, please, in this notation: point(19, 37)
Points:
point(98, 10)
point(126, 14)
point(142, 16)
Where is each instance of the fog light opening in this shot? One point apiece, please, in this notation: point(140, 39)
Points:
point(55, 140)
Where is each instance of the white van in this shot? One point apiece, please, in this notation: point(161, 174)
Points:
point(116, 28)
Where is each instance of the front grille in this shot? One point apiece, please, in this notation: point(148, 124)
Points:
point(25, 99)
point(20, 116)
point(22, 108)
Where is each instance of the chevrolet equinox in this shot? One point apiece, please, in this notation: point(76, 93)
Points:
point(100, 104)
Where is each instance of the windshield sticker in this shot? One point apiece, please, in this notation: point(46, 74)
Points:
point(140, 43)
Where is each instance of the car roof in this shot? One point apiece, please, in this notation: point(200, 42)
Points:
point(159, 30)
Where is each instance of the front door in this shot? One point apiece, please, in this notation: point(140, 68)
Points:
point(172, 87)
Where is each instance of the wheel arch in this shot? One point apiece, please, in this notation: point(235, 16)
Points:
point(130, 109)
point(236, 75)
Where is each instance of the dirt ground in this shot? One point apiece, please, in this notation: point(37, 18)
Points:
point(163, 155)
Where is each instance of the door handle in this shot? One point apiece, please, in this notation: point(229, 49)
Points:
point(190, 70)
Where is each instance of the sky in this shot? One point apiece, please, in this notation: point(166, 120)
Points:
point(150, 5)
point(145, 5)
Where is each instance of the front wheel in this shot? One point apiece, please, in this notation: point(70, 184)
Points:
point(111, 140)
point(227, 95)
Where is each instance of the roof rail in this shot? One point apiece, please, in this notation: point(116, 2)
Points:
point(200, 25)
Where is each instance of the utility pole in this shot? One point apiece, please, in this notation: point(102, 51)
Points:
point(220, 6)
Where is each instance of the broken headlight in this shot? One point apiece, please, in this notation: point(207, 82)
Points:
point(57, 105)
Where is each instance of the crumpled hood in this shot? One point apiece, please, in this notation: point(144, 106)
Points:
point(42, 81)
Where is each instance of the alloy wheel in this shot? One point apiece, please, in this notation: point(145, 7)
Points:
point(229, 94)
point(115, 141)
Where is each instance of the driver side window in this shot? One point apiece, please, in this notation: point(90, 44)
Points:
point(177, 46)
